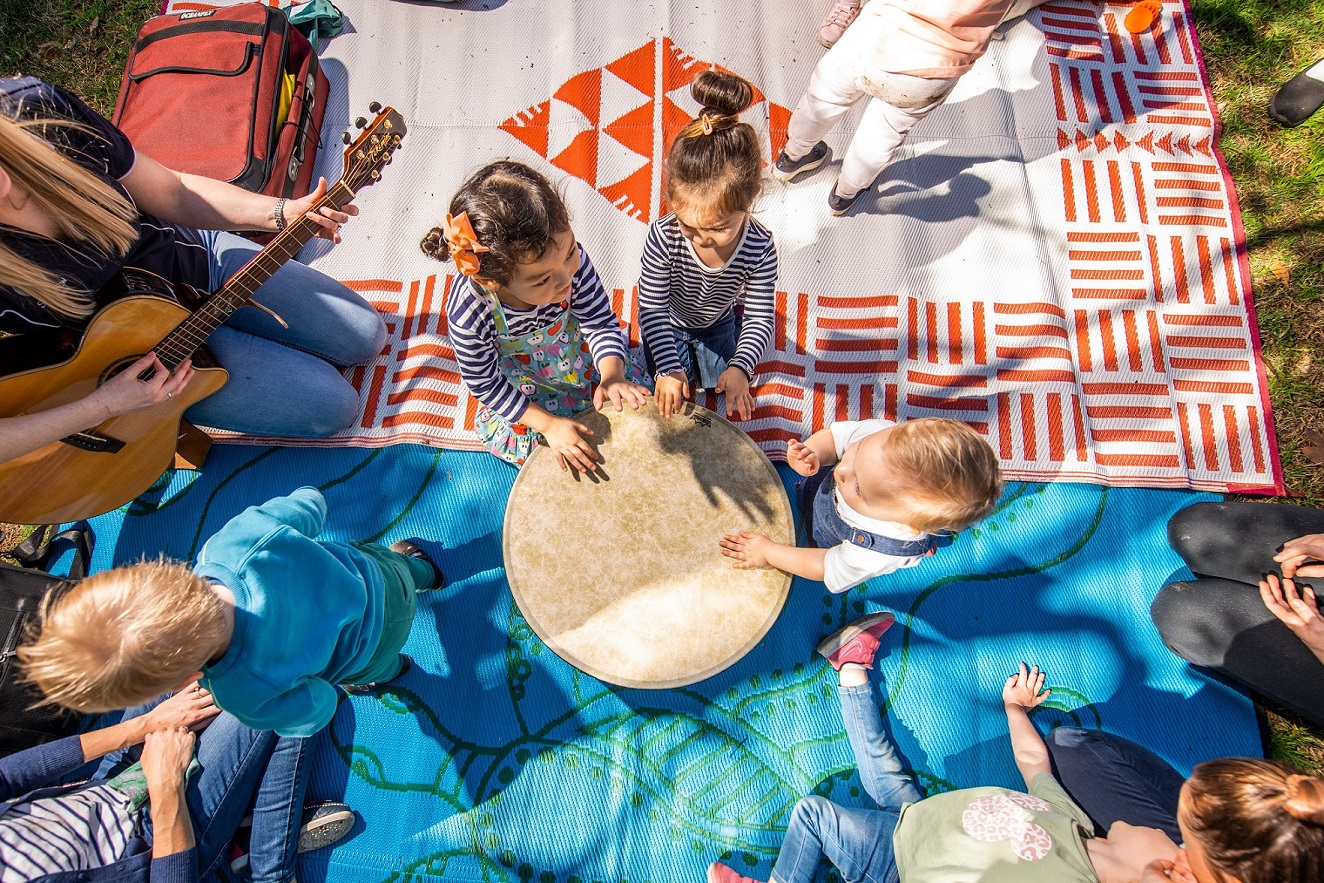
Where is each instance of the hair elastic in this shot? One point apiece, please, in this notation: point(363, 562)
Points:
point(707, 123)
point(463, 243)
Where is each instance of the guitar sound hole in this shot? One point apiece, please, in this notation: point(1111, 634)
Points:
point(118, 366)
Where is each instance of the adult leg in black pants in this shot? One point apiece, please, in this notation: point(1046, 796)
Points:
point(1115, 780)
point(1220, 620)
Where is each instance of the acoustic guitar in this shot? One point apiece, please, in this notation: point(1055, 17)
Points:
point(105, 466)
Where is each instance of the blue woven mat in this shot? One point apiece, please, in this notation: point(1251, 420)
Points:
point(494, 760)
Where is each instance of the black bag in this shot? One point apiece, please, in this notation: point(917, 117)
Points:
point(22, 590)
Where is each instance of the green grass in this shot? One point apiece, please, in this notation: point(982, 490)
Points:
point(1250, 46)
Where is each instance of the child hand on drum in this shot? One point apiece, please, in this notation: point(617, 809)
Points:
point(530, 321)
point(708, 255)
point(880, 496)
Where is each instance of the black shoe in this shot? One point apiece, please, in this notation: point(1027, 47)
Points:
point(1299, 97)
point(839, 205)
point(406, 663)
point(413, 550)
point(786, 169)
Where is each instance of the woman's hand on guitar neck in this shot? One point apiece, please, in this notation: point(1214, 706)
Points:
point(127, 392)
point(327, 218)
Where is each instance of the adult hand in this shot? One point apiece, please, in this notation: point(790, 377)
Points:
point(618, 391)
point(1025, 689)
point(672, 391)
point(1163, 871)
point(1296, 552)
point(801, 458)
point(327, 218)
point(125, 393)
point(748, 549)
point(1298, 609)
point(735, 384)
point(165, 759)
point(191, 707)
point(569, 439)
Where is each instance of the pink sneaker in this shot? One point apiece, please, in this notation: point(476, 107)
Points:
point(720, 873)
point(857, 642)
point(839, 18)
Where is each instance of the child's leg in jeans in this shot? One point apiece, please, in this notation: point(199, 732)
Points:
point(278, 811)
point(880, 771)
point(857, 841)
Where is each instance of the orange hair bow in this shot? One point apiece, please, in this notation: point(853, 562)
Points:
point(463, 243)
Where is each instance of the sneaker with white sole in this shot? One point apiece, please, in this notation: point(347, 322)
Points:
point(839, 205)
point(786, 169)
point(840, 17)
point(856, 642)
point(324, 824)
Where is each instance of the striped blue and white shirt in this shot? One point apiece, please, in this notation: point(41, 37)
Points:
point(678, 289)
point(90, 827)
point(473, 334)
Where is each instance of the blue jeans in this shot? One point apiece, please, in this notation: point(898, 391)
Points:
point(857, 841)
point(241, 769)
point(287, 381)
point(703, 352)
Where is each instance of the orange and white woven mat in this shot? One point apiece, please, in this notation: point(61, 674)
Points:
point(1056, 257)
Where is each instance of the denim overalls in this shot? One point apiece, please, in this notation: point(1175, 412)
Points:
point(826, 528)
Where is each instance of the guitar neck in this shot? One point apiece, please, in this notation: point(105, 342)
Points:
point(181, 343)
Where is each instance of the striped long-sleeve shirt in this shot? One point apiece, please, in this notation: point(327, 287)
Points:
point(473, 334)
point(677, 289)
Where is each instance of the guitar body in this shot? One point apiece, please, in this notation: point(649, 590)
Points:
point(62, 482)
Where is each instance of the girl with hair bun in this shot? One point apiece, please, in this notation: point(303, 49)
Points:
point(708, 255)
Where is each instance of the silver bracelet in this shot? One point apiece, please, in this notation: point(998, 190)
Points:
point(280, 214)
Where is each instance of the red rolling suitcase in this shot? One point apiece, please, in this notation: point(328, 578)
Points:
point(234, 93)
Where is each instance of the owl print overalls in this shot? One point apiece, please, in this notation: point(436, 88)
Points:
point(552, 367)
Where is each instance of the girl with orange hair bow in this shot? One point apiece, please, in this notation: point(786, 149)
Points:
point(530, 322)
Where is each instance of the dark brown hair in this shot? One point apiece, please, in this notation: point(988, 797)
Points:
point(515, 212)
point(1258, 820)
point(715, 165)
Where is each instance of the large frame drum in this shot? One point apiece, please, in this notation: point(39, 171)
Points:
point(620, 572)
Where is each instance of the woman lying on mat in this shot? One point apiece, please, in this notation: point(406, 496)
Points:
point(1252, 821)
point(156, 812)
point(995, 834)
point(78, 204)
point(1238, 618)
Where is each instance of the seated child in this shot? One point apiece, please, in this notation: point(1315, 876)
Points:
point(530, 321)
point(272, 617)
point(879, 496)
point(708, 255)
point(985, 834)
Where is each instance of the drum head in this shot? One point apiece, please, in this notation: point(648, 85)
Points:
point(620, 573)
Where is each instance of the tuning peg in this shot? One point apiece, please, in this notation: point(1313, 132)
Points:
point(375, 107)
point(344, 136)
point(361, 122)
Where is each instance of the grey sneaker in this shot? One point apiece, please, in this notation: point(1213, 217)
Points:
point(324, 824)
point(787, 169)
point(843, 12)
point(839, 205)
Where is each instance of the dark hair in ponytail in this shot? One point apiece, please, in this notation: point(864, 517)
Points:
point(1257, 820)
point(715, 165)
point(515, 212)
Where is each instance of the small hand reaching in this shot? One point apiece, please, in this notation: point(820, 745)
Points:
point(748, 549)
point(619, 391)
point(801, 458)
point(1300, 550)
point(1025, 689)
point(1298, 609)
point(735, 384)
point(671, 392)
point(569, 439)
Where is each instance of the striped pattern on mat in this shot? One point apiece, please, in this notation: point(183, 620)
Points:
point(1056, 257)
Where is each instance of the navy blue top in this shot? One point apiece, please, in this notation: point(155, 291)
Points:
point(171, 252)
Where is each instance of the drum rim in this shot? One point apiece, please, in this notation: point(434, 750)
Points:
point(775, 610)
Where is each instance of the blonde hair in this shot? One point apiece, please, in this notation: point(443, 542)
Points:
point(124, 636)
point(1259, 821)
point(950, 475)
point(85, 209)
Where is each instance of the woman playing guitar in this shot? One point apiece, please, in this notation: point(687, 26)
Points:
point(78, 204)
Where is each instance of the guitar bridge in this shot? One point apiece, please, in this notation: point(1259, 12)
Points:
point(96, 442)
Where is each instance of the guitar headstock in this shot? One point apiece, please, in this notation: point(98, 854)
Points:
point(374, 147)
